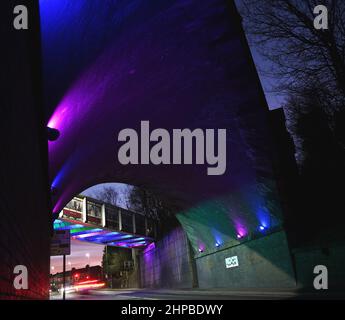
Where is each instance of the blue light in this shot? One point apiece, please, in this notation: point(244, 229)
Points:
point(126, 236)
point(217, 245)
point(262, 228)
point(83, 232)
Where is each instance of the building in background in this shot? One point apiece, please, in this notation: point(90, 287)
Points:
point(89, 210)
point(75, 276)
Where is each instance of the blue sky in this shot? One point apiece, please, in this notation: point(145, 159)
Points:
point(263, 66)
point(274, 100)
point(122, 189)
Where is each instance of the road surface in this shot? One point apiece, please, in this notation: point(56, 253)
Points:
point(147, 294)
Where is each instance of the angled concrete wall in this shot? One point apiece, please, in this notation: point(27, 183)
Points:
point(263, 263)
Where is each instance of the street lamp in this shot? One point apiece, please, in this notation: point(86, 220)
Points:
point(88, 258)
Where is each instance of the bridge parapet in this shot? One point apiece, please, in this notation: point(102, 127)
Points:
point(92, 220)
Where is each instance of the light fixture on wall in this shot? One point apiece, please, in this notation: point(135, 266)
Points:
point(262, 228)
point(52, 134)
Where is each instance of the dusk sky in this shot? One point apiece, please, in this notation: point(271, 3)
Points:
point(263, 67)
point(78, 258)
point(274, 100)
point(121, 188)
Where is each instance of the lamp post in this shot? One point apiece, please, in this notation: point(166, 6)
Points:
point(106, 264)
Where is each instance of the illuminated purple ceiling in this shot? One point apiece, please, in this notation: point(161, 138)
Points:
point(179, 64)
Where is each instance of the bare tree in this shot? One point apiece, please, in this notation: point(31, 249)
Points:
point(150, 204)
point(308, 125)
point(300, 56)
point(108, 195)
point(308, 66)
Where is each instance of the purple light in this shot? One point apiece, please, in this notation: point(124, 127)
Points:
point(151, 246)
point(201, 246)
point(88, 235)
point(128, 245)
point(241, 228)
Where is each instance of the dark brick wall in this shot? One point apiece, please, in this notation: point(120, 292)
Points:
point(24, 215)
point(168, 264)
point(264, 263)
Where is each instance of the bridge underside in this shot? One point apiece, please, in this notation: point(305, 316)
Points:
point(177, 64)
point(99, 235)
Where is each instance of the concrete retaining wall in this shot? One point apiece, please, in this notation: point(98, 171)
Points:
point(264, 263)
point(167, 264)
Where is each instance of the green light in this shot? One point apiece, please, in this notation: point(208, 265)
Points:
point(77, 230)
